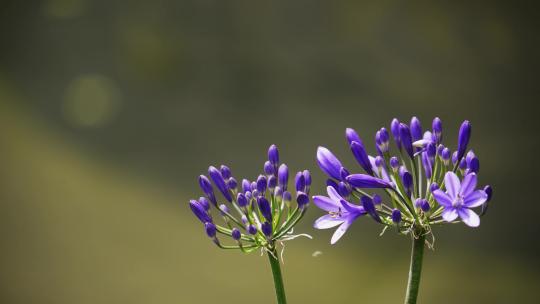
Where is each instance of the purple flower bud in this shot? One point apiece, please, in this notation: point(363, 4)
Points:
point(470, 155)
point(203, 201)
point(283, 176)
point(255, 193)
point(426, 163)
point(302, 199)
point(433, 187)
point(235, 233)
point(231, 183)
point(394, 162)
point(307, 177)
point(463, 164)
point(244, 219)
point(377, 199)
point(199, 211)
point(265, 208)
point(225, 171)
point(367, 181)
point(445, 155)
point(405, 137)
point(332, 183)
point(248, 195)
point(463, 138)
point(394, 128)
point(241, 200)
point(261, 183)
point(343, 189)
point(416, 129)
point(425, 206)
point(406, 178)
point(246, 185)
point(273, 155)
point(384, 136)
point(361, 156)
point(223, 209)
point(489, 192)
point(252, 229)
point(418, 202)
point(287, 196)
point(474, 165)
point(436, 127)
point(379, 161)
point(396, 216)
point(278, 192)
point(440, 148)
point(266, 229)
point(369, 207)
point(344, 173)
point(210, 229)
point(206, 187)
point(216, 176)
point(328, 163)
point(299, 182)
point(268, 168)
point(431, 150)
point(272, 182)
point(253, 186)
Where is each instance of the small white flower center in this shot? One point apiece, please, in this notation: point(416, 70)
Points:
point(335, 214)
point(458, 201)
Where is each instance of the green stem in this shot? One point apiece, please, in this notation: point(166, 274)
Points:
point(415, 270)
point(278, 278)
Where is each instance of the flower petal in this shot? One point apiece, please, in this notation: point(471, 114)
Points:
point(468, 184)
point(449, 214)
point(334, 195)
point(452, 184)
point(352, 208)
point(442, 198)
point(326, 203)
point(468, 216)
point(341, 231)
point(327, 221)
point(475, 199)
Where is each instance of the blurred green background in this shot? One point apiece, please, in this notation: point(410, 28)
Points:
point(109, 110)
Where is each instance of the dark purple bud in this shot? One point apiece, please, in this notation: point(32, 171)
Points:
point(431, 150)
point(272, 182)
point(369, 207)
point(252, 229)
point(273, 155)
point(223, 209)
point(265, 208)
point(302, 199)
point(394, 128)
point(379, 161)
point(216, 176)
point(367, 181)
point(332, 183)
point(406, 178)
point(470, 155)
point(394, 162)
point(436, 127)
point(445, 155)
point(440, 148)
point(418, 202)
point(268, 168)
point(210, 229)
point(199, 211)
point(361, 156)
point(255, 193)
point(248, 195)
point(253, 186)
point(426, 163)
point(396, 216)
point(377, 199)
point(299, 182)
point(405, 137)
point(463, 164)
point(351, 135)
point(344, 173)
point(246, 185)
point(474, 165)
point(454, 157)
point(343, 189)
point(433, 187)
point(206, 187)
point(463, 138)
point(235, 233)
point(384, 136)
point(425, 206)
point(307, 177)
point(231, 183)
point(261, 183)
point(328, 163)
point(225, 171)
point(287, 196)
point(489, 192)
point(204, 203)
point(266, 229)
point(241, 200)
point(416, 129)
point(283, 176)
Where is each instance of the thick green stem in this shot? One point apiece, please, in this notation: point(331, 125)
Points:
point(278, 278)
point(415, 270)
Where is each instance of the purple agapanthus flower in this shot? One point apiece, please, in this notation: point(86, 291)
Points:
point(459, 198)
point(340, 213)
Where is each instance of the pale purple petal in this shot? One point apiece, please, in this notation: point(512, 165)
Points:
point(449, 214)
point(327, 221)
point(352, 208)
point(452, 184)
point(326, 203)
point(468, 184)
point(375, 169)
point(341, 231)
point(334, 195)
point(442, 198)
point(475, 199)
point(468, 216)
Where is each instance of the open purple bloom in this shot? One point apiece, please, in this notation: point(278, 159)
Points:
point(459, 198)
point(340, 213)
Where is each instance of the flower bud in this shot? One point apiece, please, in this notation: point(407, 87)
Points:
point(246, 185)
point(225, 171)
point(406, 178)
point(440, 148)
point(351, 135)
point(307, 177)
point(299, 181)
point(332, 183)
point(474, 165)
point(379, 161)
point(394, 163)
point(361, 156)
point(406, 141)
point(252, 229)
point(328, 163)
point(377, 199)
point(244, 219)
point(223, 209)
point(287, 197)
point(248, 195)
point(235, 233)
point(241, 200)
point(203, 201)
point(265, 208)
point(206, 187)
point(425, 206)
point(445, 155)
point(463, 138)
point(384, 136)
point(231, 183)
point(266, 229)
point(199, 211)
point(431, 150)
point(278, 192)
point(272, 182)
point(463, 164)
point(283, 176)
point(216, 176)
point(268, 168)
point(470, 155)
point(396, 216)
point(433, 187)
point(426, 163)
point(436, 127)
point(367, 181)
point(261, 184)
point(454, 157)
point(210, 229)
point(416, 129)
point(394, 128)
point(344, 173)
point(273, 155)
point(343, 189)
point(489, 192)
point(369, 207)
point(302, 199)
point(253, 186)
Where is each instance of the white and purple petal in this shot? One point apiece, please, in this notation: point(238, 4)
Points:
point(326, 203)
point(468, 217)
point(442, 198)
point(475, 199)
point(452, 184)
point(449, 214)
point(468, 184)
point(327, 221)
point(341, 230)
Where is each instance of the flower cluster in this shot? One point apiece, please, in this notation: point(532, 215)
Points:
point(264, 212)
point(423, 181)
